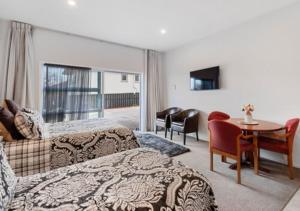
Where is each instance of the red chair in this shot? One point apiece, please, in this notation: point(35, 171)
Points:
point(281, 143)
point(228, 140)
point(218, 115)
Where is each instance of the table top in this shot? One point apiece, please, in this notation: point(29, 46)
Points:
point(262, 126)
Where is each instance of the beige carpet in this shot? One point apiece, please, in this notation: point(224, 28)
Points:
point(266, 192)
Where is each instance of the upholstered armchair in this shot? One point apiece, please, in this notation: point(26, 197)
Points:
point(185, 122)
point(163, 118)
point(218, 115)
point(228, 140)
point(281, 142)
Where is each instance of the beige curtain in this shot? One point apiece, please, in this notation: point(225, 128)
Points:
point(19, 65)
point(153, 64)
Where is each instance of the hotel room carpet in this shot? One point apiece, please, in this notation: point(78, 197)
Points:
point(266, 191)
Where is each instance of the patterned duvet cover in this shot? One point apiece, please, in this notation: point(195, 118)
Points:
point(138, 179)
point(68, 143)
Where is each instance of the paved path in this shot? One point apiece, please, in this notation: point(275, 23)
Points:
point(128, 116)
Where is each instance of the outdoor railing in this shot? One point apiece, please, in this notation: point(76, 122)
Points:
point(120, 100)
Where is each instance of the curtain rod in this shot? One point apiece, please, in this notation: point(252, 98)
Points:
point(66, 66)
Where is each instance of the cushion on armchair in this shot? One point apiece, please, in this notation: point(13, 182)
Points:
point(8, 180)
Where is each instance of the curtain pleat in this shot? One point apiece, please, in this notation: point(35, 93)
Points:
point(153, 87)
point(66, 93)
point(19, 67)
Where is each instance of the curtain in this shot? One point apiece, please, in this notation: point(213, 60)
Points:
point(67, 93)
point(153, 87)
point(19, 65)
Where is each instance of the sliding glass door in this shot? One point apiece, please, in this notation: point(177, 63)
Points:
point(77, 93)
point(122, 98)
point(71, 93)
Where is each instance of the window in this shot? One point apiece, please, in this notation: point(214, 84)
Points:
point(137, 78)
point(71, 93)
point(124, 77)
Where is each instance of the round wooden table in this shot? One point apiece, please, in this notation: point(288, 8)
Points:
point(260, 127)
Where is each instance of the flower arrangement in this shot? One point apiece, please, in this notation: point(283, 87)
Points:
point(248, 109)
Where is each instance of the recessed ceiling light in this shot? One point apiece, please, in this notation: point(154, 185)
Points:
point(72, 3)
point(163, 31)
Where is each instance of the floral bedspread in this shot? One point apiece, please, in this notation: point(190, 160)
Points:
point(69, 143)
point(77, 126)
point(74, 148)
point(138, 179)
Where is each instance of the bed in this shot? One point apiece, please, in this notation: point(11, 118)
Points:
point(69, 143)
point(137, 179)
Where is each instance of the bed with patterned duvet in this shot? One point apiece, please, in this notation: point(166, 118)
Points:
point(138, 179)
point(68, 143)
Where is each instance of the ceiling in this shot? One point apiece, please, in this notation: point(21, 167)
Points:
point(139, 22)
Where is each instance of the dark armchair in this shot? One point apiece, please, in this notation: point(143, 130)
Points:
point(163, 118)
point(185, 122)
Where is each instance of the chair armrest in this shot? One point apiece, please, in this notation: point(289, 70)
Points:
point(160, 114)
point(176, 117)
point(248, 136)
point(253, 137)
point(276, 135)
point(191, 121)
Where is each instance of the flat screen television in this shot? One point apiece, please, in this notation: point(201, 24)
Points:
point(205, 79)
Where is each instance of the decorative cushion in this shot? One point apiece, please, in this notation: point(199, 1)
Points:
point(30, 124)
point(8, 181)
point(7, 119)
point(4, 133)
point(12, 106)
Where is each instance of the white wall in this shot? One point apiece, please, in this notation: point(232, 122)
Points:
point(260, 64)
point(61, 48)
point(113, 83)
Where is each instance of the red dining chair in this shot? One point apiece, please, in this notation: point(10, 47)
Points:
point(228, 140)
point(218, 115)
point(281, 143)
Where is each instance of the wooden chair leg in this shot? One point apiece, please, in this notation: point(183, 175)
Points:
point(211, 161)
point(258, 158)
point(290, 166)
point(223, 158)
point(184, 138)
point(238, 170)
point(255, 157)
point(166, 132)
point(171, 136)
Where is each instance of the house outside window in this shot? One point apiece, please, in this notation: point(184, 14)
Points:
point(124, 77)
point(137, 78)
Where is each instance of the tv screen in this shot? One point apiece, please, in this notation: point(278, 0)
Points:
point(205, 79)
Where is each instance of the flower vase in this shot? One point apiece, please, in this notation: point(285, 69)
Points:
point(248, 118)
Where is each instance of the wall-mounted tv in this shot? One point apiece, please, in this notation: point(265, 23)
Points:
point(205, 79)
